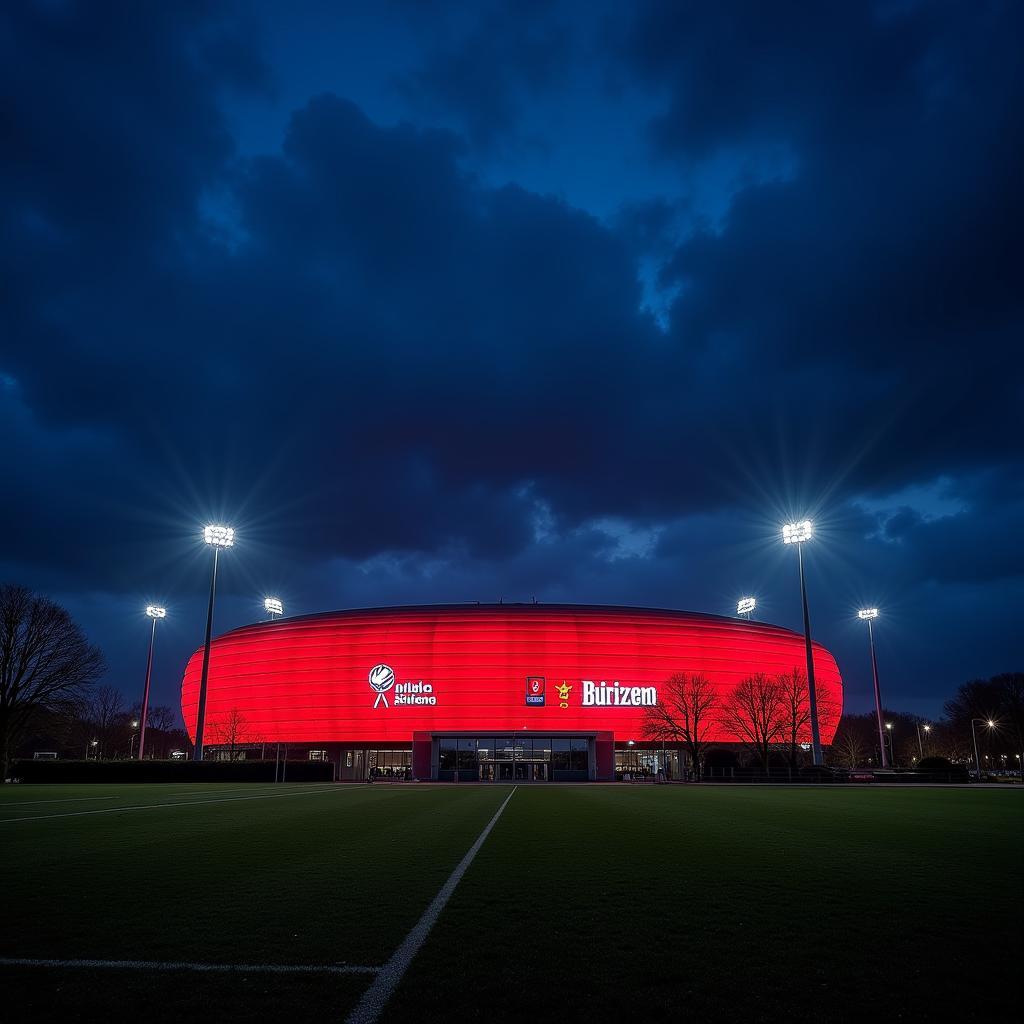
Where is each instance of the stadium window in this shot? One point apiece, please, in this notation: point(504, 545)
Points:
point(318, 755)
point(560, 754)
point(448, 748)
point(467, 753)
point(578, 755)
point(503, 747)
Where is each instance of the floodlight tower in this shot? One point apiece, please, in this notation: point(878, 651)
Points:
point(217, 537)
point(746, 607)
point(154, 612)
point(273, 607)
point(869, 615)
point(799, 534)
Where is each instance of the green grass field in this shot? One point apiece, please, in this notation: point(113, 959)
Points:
point(593, 901)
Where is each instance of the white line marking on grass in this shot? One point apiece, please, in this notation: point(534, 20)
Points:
point(197, 790)
point(376, 996)
point(15, 806)
point(171, 965)
point(12, 804)
point(331, 787)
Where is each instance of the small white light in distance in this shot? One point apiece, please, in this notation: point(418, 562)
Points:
point(796, 533)
point(219, 536)
point(867, 613)
point(747, 604)
point(273, 606)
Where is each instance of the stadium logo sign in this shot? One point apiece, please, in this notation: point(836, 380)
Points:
point(382, 679)
point(535, 691)
point(605, 695)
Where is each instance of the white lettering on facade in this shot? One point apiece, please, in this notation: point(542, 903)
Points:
point(414, 693)
point(604, 694)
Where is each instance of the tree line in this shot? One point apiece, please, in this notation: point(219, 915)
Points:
point(770, 716)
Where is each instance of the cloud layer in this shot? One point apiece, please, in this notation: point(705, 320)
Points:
point(407, 372)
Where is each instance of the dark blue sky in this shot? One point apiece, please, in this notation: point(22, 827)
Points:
point(440, 302)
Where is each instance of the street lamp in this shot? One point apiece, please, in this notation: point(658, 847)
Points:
point(94, 744)
point(746, 606)
point(217, 537)
point(974, 737)
point(868, 615)
point(799, 534)
point(892, 749)
point(154, 612)
point(920, 745)
point(131, 745)
point(273, 607)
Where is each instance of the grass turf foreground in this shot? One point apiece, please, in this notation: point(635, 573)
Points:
point(584, 902)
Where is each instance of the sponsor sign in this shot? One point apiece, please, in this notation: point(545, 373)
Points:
point(535, 691)
point(407, 694)
point(603, 695)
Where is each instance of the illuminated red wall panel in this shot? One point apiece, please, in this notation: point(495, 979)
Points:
point(307, 680)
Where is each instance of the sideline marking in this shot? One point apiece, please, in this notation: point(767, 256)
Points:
point(63, 800)
point(171, 965)
point(193, 790)
point(179, 803)
point(371, 1006)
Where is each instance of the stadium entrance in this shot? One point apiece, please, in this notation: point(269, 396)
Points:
point(512, 758)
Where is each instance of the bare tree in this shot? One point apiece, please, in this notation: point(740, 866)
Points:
point(684, 714)
point(162, 718)
point(853, 741)
point(46, 662)
point(107, 718)
point(231, 730)
point(796, 710)
point(756, 714)
point(160, 722)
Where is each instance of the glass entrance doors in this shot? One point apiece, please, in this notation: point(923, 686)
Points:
point(635, 763)
point(513, 758)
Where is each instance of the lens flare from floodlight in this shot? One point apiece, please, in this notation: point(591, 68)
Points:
point(796, 533)
point(991, 724)
point(219, 536)
point(867, 613)
point(273, 606)
point(155, 611)
point(746, 605)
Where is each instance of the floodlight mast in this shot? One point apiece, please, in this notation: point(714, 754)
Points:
point(217, 537)
point(746, 606)
point(273, 607)
point(798, 534)
point(154, 612)
point(868, 615)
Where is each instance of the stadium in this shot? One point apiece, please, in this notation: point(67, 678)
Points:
point(500, 693)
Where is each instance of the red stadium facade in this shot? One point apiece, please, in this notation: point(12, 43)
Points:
point(496, 692)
